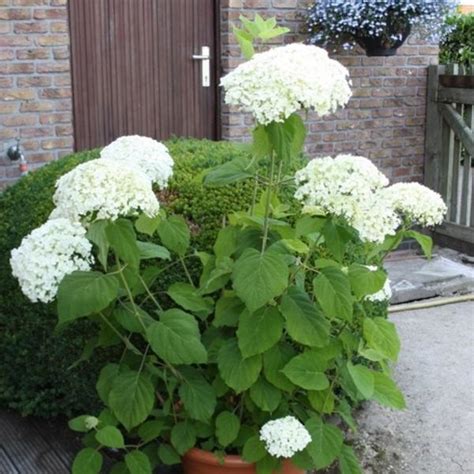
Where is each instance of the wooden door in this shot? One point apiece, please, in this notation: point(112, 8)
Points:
point(133, 70)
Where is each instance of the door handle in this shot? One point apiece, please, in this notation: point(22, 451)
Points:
point(205, 58)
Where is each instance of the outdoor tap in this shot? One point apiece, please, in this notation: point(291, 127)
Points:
point(16, 154)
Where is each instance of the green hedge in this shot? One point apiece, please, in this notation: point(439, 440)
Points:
point(35, 364)
point(457, 46)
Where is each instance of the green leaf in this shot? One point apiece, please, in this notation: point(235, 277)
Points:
point(150, 430)
point(111, 437)
point(259, 331)
point(228, 311)
point(187, 297)
point(386, 392)
point(362, 378)
point(84, 293)
point(149, 250)
point(79, 424)
point(265, 395)
point(226, 242)
point(365, 281)
point(259, 278)
point(237, 372)
point(197, 395)
point(425, 241)
point(183, 437)
point(131, 398)
point(245, 43)
point(147, 225)
point(273, 362)
point(174, 234)
point(336, 238)
point(106, 378)
point(87, 461)
point(296, 245)
point(261, 146)
point(168, 455)
point(138, 463)
point(268, 465)
point(227, 428)
point(326, 442)
point(382, 336)
point(176, 338)
point(96, 234)
point(123, 240)
point(322, 400)
point(132, 318)
point(232, 171)
point(308, 225)
point(287, 138)
point(306, 371)
point(303, 460)
point(333, 292)
point(304, 321)
point(348, 462)
point(254, 449)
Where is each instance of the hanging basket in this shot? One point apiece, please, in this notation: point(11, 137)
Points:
point(383, 45)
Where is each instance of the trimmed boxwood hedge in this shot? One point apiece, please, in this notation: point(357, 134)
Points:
point(37, 371)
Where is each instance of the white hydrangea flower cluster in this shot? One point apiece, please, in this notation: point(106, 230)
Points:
point(382, 295)
point(284, 437)
point(374, 219)
point(347, 186)
point(44, 257)
point(102, 189)
point(416, 203)
point(275, 84)
point(145, 153)
point(353, 188)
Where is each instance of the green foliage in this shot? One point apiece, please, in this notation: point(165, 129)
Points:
point(36, 376)
point(457, 45)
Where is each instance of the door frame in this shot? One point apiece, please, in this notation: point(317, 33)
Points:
point(216, 71)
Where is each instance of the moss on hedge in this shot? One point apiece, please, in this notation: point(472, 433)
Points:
point(36, 376)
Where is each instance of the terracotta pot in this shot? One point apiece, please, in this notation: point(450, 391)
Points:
point(197, 461)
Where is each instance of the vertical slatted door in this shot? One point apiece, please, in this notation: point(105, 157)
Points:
point(133, 71)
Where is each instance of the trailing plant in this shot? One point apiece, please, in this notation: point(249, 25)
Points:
point(261, 353)
point(385, 23)
point(457, 44)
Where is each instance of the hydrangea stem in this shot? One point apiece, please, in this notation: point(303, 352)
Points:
point(266, 225)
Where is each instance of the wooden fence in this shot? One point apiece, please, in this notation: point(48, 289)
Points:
point(449, 166)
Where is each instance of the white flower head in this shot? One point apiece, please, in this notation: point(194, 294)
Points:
point(382, 295)
point(338, 185)
point(416, 203)
point(276, 83)
point(104, 189)
point(284, 437)
point(145, 153)
point(44, 257)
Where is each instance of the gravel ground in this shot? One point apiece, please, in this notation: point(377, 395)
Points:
point(435, 434)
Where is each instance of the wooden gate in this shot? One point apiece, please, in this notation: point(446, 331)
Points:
point(450, 147)
point(133, 69)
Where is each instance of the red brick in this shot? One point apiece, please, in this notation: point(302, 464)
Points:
point(55, 93)
point(56, 67)
point(15, 40)
point(18, 120)
point(50, 13)
point(33, 81)
point(6, 82)
point(33, 132)
point(55, 118)
point(15, 14)
point(7, 54)
point(33, 53)
point(17, 68)
point(30, 27)
point(53, 40)
point(55, 143)
point(17, 94)
point(42, 106)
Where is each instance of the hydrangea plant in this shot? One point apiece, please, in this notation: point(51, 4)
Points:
point(381, 24)
point(272, 345)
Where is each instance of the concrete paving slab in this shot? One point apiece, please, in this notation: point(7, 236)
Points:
point(416, 278)
point(435, 434)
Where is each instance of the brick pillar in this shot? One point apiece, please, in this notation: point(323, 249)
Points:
point(385, 119)
point(35, 84)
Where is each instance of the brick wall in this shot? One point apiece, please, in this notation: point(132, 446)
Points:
point(386, 115)
point(35, 90)
point(384, 119)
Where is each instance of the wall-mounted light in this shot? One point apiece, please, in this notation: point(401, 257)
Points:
point(15, 154)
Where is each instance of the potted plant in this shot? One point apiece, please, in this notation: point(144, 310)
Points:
point(379, 27)
point(246, 369)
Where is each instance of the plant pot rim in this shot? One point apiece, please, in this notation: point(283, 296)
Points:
point(230, 460)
